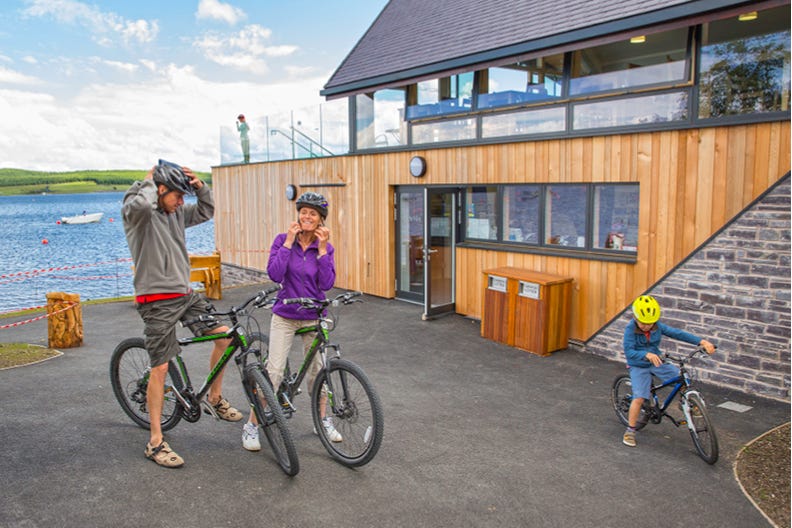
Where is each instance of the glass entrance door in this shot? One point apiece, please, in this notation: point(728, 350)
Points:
point(410, 244)
point(439, 251)
point(426, 230)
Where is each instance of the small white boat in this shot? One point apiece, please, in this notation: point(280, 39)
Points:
point(84, 218)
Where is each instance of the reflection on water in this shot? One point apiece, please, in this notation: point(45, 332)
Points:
point(41, 255)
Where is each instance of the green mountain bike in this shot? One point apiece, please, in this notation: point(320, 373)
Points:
point(130, 369)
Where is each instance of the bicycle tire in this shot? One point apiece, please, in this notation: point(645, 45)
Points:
point(701, 429)
point(359, 417)
point(129, 368)
point(271, 419)
point(621, 398)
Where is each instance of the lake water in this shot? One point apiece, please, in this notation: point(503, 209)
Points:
point(92, 260)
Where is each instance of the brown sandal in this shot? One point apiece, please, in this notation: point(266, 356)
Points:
point(164, 455)
point(225, 411)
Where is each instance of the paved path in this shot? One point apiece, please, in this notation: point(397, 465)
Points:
point(477, 434)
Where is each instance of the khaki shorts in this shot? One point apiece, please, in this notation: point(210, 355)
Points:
point(160, 319)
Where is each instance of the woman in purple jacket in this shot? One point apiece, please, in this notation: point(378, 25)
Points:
point(301, 260)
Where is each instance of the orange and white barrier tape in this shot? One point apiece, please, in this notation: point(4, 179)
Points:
point(44, 316)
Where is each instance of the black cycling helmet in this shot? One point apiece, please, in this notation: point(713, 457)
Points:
point(314, 201)
point(172, 176)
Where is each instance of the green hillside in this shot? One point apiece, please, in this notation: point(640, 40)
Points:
point(21, 181)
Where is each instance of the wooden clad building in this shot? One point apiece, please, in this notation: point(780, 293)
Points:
point(544, 137)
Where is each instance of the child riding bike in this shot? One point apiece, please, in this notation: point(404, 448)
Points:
point(642, 338)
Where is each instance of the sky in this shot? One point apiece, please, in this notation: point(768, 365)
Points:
point(116, 84)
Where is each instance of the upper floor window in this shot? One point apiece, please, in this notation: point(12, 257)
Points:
point(745, 64)
point(380, 119)
point(639, 61)
point(442, 96)
point(526, 81)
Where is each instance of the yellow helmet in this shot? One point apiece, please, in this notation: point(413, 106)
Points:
point(646, 309)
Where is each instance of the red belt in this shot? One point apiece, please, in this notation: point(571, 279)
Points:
point(143, 299)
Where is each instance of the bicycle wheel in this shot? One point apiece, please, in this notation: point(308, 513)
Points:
point(701, 429)
point(355, 410)
point(271, 419)
point(129, 375)
point(621, 398)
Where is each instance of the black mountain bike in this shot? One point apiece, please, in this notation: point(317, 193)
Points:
point(694, 410)
point(341, 389)
point(130, 370)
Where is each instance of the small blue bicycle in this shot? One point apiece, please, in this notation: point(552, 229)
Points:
point(691, 402)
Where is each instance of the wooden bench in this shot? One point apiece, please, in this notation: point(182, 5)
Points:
point(206, 269)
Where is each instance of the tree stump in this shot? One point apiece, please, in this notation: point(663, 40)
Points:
point(65, 328)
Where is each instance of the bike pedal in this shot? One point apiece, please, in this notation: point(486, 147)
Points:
point(208, 409)
point(682, 422)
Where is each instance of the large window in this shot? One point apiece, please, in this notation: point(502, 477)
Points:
point(521, 213)
point(745, 64)
point(601, 218)
point(660, 108)
point(541, 121)
point(380, 119)
point(615, 217)
point(481, 204)
point(440, 131)
point(527, 81)
point(565, 215)
point(442, 96)
point(640, 61)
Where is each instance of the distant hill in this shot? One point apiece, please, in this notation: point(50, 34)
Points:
point(21, 181)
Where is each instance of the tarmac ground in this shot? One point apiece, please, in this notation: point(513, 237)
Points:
point(476, 434)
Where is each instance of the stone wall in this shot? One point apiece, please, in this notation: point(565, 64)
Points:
point(734, 291)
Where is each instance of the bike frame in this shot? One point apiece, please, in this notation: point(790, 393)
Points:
point(320, 344)
point(678, 382)
point(238, 342)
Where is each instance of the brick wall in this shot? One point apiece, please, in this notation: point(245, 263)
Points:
point(734, 291)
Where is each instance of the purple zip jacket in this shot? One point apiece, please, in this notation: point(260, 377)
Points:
point(302, 274)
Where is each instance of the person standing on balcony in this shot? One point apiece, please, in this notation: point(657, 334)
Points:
point(243, 128)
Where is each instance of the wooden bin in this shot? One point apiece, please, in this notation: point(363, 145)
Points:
point(530, 311)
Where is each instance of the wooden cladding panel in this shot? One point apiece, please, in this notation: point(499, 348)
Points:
point(692, 182)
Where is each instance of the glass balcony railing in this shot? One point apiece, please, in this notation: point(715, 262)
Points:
point(311, 132)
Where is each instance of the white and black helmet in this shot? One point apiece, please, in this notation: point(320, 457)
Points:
point(172, 176)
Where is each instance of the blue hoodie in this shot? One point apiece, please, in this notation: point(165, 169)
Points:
point(636, 346)
point(301, 273)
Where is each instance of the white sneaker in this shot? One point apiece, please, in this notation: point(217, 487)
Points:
point(250, 437)
point(332, 434)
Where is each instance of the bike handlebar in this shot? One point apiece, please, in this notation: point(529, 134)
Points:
point(699, 350)
point(309, 303)
point(258, 300)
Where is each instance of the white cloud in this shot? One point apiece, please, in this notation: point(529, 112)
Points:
point(244, 50)
point(216, 10)
point(175, 115)
point(97, 22)
point(30, 59)
point(126, 67)
point(13, 77)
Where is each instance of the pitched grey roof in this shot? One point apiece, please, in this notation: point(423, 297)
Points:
point(415, 37)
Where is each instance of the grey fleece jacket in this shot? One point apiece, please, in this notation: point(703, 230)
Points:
point(156, 239)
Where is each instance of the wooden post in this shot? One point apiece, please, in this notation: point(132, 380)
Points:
point(65, 328)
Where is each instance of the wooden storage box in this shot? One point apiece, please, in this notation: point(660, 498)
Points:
point(526, 309)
